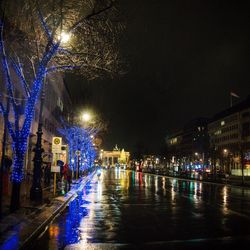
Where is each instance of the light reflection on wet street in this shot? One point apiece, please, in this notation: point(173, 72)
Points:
point(131, 210)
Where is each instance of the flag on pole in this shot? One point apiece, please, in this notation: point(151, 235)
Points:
point(234, 95)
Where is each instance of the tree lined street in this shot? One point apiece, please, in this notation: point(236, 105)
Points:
point(124, 125)
point(131, 210)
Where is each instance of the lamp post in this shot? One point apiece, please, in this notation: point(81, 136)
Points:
point(214, 160)
point(196, 158)
point(36, 188)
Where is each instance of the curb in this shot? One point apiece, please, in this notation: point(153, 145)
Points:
point(82, 183)
point(58, 204)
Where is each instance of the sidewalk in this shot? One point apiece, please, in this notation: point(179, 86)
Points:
point(17, 230)
point(26, 204)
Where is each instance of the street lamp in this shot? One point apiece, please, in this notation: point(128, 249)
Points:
point(64, 37)
point(86, 117)
point(225, 160)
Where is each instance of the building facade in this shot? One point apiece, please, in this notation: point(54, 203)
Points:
point(188, 147)
point(229, 133)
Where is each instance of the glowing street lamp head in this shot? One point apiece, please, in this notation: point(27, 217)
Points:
point(65, 37)
point(86, 117)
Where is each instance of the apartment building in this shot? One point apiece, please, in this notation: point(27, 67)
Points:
point(189, 146)
point(229, 133)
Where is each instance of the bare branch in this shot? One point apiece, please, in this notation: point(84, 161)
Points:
point(2, 109)
point(19, 73)
point(45, 26)
point(61, 68)
point(5, 116)
point(5, 66)
point(89, 16)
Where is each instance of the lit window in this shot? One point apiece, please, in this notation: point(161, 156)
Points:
point(173, 141)
point(218, 132)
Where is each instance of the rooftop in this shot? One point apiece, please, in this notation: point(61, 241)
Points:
point(234, 109)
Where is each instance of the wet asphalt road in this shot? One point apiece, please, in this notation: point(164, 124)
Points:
point(131, 210)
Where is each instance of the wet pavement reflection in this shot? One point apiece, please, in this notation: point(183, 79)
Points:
point(131, 210)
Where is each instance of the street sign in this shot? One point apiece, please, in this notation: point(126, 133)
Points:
point(57, 145)
point(55, 169)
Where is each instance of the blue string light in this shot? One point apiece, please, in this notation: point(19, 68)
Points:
point(79, 139)
point(20, 134)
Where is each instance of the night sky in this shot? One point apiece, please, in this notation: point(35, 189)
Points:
point(184, 59)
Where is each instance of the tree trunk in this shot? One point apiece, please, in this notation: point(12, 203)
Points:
point(2, 167)
point(4, 142)
point(15, 196)
point(19, 149)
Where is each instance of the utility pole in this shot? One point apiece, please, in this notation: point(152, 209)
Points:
point(242, 160)
point(214, 162)
point(241, 147)
point(242, 166)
